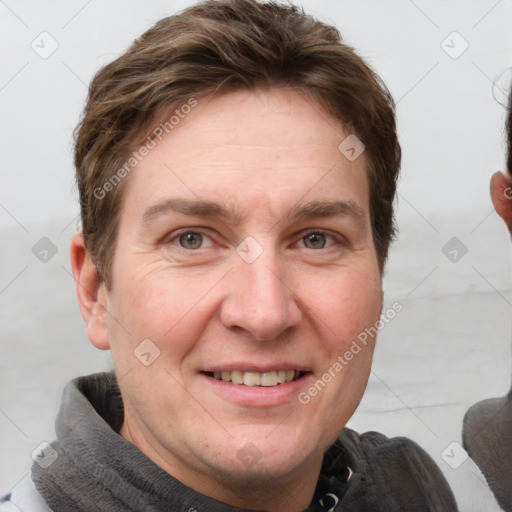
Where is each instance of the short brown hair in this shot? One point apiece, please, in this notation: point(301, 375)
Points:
point(226, 45)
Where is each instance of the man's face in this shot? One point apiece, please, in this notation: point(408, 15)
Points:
point(244, 247)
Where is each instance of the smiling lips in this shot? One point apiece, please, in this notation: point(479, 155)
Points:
point(266, 379)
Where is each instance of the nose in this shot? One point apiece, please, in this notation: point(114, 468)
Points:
point(260, 302)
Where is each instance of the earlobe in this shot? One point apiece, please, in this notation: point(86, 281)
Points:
point(501, 195)
point(91, 293)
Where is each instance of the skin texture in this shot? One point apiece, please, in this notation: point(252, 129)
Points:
point(501, 195)
point(261, 154)
point(487, 430)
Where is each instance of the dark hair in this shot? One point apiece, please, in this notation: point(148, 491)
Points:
point(226, 45)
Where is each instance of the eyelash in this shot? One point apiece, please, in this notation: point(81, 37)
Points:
point(176, 236)
point(328, 234)
point(335, 238)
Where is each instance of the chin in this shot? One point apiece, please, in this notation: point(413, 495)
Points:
point(268, 451)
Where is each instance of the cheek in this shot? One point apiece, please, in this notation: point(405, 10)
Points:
point(346, 302)
point(352, 307)
point(167, 309)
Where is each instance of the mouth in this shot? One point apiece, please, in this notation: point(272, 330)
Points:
point(267, 379)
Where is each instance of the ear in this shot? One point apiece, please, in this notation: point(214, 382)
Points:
point(91, 293)
point(501, 195)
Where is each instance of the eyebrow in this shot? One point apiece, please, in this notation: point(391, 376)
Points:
point(196, 207)
point(317, 209)
point(202, 208)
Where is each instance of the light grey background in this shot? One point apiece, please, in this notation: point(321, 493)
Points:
point(449, 347)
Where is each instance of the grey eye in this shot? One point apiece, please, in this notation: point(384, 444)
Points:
point(315, 240)
point(191, 240)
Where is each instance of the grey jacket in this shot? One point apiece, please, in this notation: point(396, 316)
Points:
point(97, 470)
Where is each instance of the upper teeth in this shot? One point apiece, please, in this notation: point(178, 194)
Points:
point(257, 379)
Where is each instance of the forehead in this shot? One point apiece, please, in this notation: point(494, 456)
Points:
point(251, 147)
